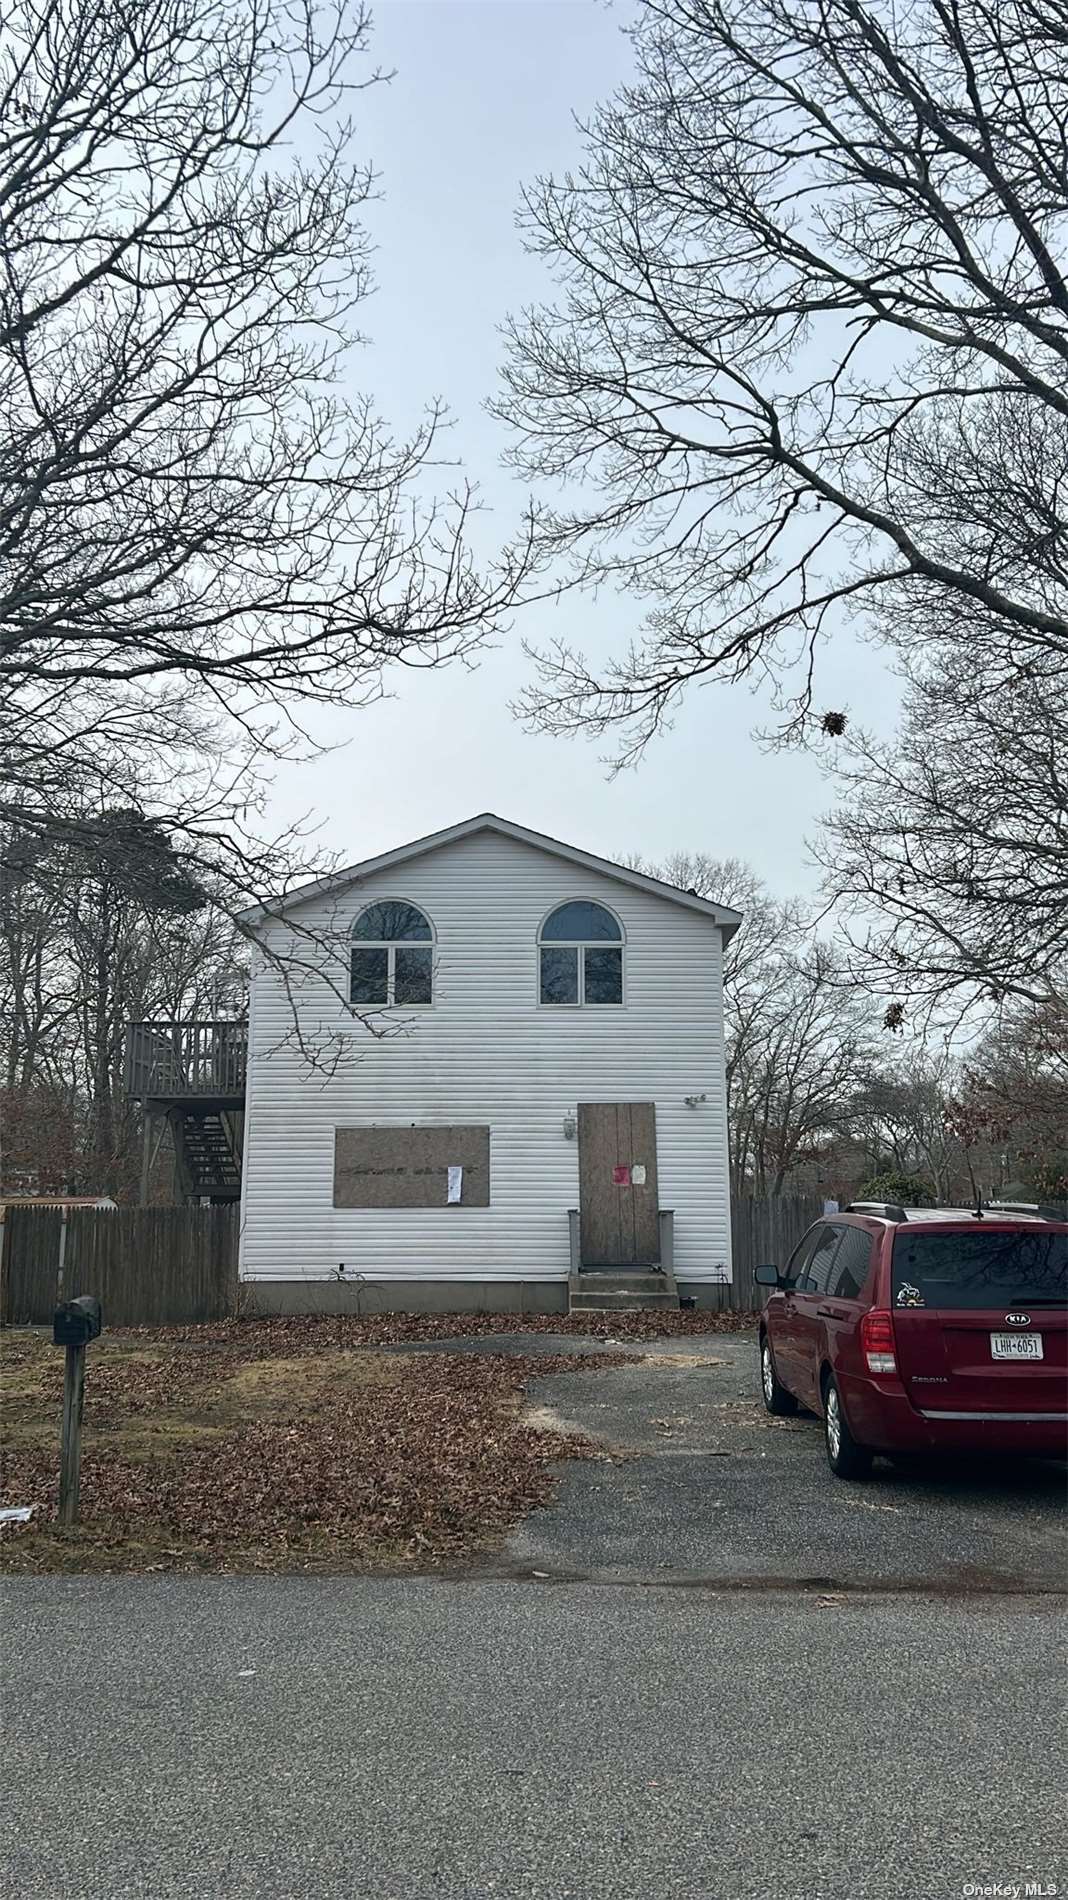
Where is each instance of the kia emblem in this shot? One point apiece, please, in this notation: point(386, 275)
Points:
point(1017, 1319)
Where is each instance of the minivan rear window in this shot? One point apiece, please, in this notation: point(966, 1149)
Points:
point(1026, 1266)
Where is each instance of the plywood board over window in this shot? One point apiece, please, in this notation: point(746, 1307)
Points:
point(409, 1166)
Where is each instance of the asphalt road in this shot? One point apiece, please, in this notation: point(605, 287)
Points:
point(429, 1740)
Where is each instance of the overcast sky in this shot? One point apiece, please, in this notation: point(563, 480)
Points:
point(485, 96)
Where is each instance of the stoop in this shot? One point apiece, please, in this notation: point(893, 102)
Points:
point(613, 1291)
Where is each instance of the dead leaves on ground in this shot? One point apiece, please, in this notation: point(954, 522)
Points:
point(270, 1446)
point(316, 1332)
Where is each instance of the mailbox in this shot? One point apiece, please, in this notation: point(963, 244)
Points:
point(76, 1322)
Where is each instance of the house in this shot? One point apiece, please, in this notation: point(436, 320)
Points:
point(529, 1100)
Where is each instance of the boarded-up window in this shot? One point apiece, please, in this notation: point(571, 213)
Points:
point(409, 1167)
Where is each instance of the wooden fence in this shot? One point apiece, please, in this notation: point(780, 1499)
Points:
point(170, 1266)
point(150, 1266)
point(763, 1229)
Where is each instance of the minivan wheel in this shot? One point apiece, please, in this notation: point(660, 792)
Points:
point(846, 1458)
point(776, 1398)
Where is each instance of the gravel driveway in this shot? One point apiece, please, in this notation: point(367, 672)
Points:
point(715, 1491)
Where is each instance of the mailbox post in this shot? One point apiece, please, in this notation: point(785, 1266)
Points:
point(74, 1324)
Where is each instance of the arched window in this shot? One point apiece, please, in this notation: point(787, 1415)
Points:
point(580, 954)
point(392, 961)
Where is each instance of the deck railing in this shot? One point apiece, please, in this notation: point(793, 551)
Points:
point(186, 1058)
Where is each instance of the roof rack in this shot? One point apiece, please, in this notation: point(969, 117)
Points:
point(883, 1210)
point(1041, 1210)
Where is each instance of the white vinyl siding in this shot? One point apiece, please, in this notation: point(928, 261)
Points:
point(486, 1053)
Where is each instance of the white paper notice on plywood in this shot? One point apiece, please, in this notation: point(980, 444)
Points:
point(456, 1186)
point(637, 1174)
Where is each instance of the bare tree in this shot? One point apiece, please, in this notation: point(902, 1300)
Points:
point(809, 352)
point(1014, 1099)
point(950, 852)
point(95, 931)
point(798, 1035)
point(797, 1071)
point(198, 527)
point(42, 1143)
point(35, 1006)
point(899, 1120)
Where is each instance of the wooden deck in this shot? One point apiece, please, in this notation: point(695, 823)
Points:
point(201, 1061)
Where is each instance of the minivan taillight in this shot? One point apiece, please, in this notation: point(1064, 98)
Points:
point(877, 1341)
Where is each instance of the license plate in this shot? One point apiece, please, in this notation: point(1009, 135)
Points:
point(1016, 1345)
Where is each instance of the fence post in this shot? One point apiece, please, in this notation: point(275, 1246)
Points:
point(146, 1143)
point(61, 1257)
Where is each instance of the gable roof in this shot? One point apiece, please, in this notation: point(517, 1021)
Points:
point(728, 920)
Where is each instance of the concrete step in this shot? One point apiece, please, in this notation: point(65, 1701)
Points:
point(623, 1302)
point(617, 1280)
point(614, 1291)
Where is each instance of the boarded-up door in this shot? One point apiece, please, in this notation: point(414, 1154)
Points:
point(618, 1204)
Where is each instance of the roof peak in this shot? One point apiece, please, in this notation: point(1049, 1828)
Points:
point(721, 914)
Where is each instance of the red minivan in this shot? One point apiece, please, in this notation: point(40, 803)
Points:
point(922, 1329)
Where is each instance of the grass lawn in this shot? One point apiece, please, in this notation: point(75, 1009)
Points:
point(270, 1445)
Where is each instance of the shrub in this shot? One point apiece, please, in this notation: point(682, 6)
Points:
point(908, 1190)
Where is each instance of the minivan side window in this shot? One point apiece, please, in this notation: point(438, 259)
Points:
point(801, 1255)
point(817, 1272)
point(851, 1264)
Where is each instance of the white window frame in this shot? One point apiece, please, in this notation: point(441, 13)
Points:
point(583, 944)
point(391, 945)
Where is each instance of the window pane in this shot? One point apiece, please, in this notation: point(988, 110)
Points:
point(559, 976)
point(801, 1256)
point(604, 976)
point(412, 976)
point(392, 923)
point(985, 1269)
point(851, 1264)
point(581, 923)
point(818, 1269)
point(369, 973)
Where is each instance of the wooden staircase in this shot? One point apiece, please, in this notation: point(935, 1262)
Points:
point(209, 1160)
point(191, 1074)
